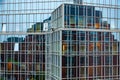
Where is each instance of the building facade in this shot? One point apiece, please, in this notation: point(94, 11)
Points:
point(89, 45)
point(60, 40)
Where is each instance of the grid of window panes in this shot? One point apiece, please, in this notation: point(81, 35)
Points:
point(48, 56)
point(90, 55)
point(82, 16)
point(85, 55)
point(22, 58)
point(101, 16)
point(56, 17)
point(55, 56)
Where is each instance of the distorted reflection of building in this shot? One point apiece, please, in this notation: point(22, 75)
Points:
point(74, 43)
point(37, 27)
point(89, 51)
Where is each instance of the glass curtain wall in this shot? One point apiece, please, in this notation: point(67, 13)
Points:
point(91, 40)
point(90, 54)
point(22, 39)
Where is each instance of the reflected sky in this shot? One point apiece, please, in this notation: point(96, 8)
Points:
point(27, 12)
point(1, 0)
point(39, 10)
point(25, 15)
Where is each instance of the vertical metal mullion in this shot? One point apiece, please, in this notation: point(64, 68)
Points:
point(85, 57)
point(119, 59)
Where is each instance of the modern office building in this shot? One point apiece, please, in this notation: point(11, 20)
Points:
point(60, 40)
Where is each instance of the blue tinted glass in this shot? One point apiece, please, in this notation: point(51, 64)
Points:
point(72, 10)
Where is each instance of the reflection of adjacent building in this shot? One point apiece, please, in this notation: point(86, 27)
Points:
point(75, 43)
point(9, 58)
point(86, 54)
point(79, 17)
point(33, 56)
point(90, 54)
point(25, 59)
point(37, 27)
